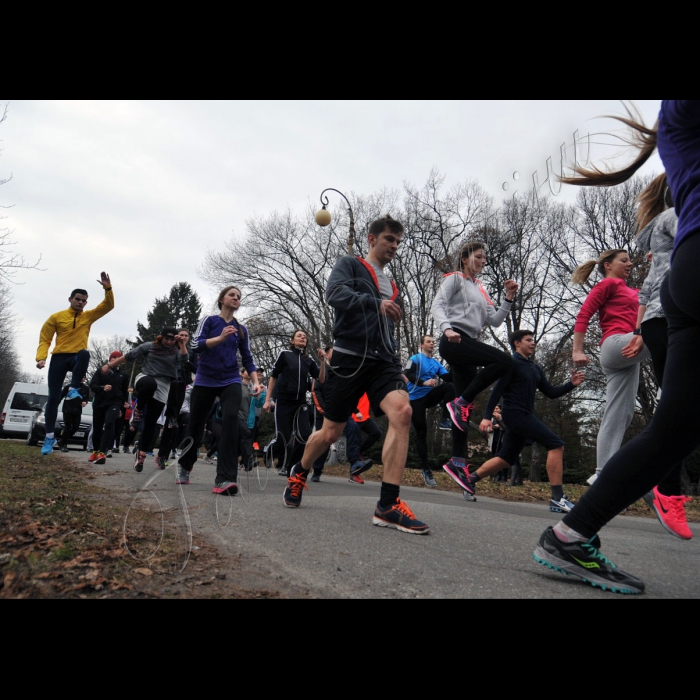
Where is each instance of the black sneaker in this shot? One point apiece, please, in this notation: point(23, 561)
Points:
point(160, 462)
point(460, 475)
point(316, 477)
point(401, 517)
point(296, 483)
point(583, 559)
point(460, 414)
point(359, 467)
point(138, 461)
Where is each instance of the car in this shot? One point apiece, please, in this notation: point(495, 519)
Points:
point(22, 403)
point(37, 432)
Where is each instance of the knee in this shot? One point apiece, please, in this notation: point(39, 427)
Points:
point(401, 416)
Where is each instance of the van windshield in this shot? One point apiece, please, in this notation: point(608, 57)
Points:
point(25, 401)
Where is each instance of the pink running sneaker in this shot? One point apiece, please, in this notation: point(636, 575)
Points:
point(459, 412)
point(670, 511)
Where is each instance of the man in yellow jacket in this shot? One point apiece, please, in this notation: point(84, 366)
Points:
point(71, 328)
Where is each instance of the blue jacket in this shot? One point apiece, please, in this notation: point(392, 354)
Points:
point(218, 366)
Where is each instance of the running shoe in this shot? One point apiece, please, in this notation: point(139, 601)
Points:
point(225, 488)
point(47, 447)
point(460, 475)
point(467, 496)
point(208, 460)
point(93, 456)
point(401, 517)
point(160, 462)
point(125, 450)
point(101, 458)
point(138, 461)
point(584, 560)
point(670, 510)
point(429, 478)
point(183, 476)
point(296, 483)
point(73, 393)
point(354, 479)
point(64, 448)
point(564, 505)
point(360, 467)
point(282, 471)
point(446, 424)
point(108, 454)
point(459, 412)
point(316, 477)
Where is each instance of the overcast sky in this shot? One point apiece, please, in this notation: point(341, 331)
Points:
point(142, 189)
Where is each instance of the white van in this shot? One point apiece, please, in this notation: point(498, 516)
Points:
point(20, 408)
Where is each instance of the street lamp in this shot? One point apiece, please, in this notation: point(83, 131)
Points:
point(323, 216)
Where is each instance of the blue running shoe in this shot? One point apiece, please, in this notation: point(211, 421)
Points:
point(73, 393)
point(47, 447)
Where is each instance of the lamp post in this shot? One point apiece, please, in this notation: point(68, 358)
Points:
point(323, 216)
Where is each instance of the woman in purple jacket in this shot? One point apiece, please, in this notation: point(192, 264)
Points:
point(572, 546)
point(218, 340)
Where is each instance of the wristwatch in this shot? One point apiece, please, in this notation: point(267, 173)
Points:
point(637, 331)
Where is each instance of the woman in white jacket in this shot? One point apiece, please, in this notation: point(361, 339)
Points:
point(461, 309)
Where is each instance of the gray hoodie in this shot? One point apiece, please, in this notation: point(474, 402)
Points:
point(657, 236)
point(463, 305)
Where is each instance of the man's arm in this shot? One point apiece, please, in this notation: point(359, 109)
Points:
point(46, 335)
point(107, 304)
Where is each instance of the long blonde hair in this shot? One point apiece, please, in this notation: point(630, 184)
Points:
point(653, 200)
point(583, 271)
point(643, 138)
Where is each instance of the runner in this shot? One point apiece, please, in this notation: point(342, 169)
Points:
point(219, 339)
point(365, 359)
point(461, 309)
point(162, 359)
point(573, 545)
point(518, 389)
point(71, 329)
point(424, 372)
point(289, 381)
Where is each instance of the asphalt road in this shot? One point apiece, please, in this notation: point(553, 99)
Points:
point(328, 548)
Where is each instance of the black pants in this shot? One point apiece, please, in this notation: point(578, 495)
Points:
point(71, 423)
point(464, 358)
point(641, 463)
point(438, 394)
point(201, 401)
point(145, 390)
point(103, 420)
point(293, 428)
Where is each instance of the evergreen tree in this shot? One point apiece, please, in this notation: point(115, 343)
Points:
point(180, 309)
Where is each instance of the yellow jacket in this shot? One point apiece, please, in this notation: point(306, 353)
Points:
point(71, 328)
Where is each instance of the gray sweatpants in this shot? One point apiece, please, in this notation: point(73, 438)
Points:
point(622, 382)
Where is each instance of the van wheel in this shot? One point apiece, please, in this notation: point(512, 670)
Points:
point(31, 440)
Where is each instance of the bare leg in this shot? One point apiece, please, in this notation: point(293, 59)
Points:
point(397, 408)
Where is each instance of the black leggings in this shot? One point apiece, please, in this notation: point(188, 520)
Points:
point(655, 336)
point(438, 394)
point(641, 464)
point(464, 358)
point(145, 390)
point(201, 401)
point(293, 425)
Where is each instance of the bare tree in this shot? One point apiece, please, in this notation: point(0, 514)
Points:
point(101, 348)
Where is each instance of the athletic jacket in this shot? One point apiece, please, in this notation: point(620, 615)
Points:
point(119, 381)
point(291, 373)
point(419, 369)
point(518, 389)
point(71, 328)
point(353, 291)
point(218, 365)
